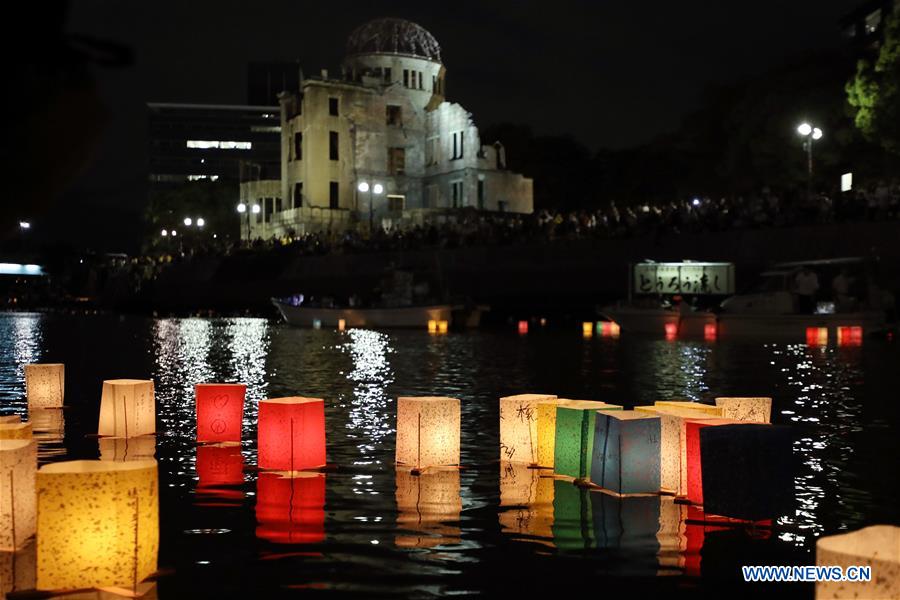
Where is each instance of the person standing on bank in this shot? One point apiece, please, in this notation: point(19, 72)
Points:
point(806, 284)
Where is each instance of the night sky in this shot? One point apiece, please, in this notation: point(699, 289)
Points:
point(609, 74)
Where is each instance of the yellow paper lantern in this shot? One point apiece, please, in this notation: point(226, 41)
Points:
point(432, 326)
point(17, 570)
point(98, 524)
point(428, 507)
point(427, 431)
point(587, 329)
point(12, 428)
point(752, 410)
point(45, 385)
point(877, 547)
point(18, 463)
point(443, 326)
point(546, 415)
point(342, 324)
point(526, 501)
point(127, 408)
point(142, 447)
point(519, 427)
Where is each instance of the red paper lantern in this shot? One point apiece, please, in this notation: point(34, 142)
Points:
point(291, 434)
point(849, 336)
point(291, 510)
point(817, 336)
point(671, 330)
point(692, 429)
point(710, 331)
point(220, 411)
point(523, 327)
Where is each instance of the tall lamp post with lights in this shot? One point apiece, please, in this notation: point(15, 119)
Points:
point(242, 209)
point(810, 133)
point(377, 189)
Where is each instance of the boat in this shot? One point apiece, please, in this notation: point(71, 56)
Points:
point(767, 310)
point(374, 318)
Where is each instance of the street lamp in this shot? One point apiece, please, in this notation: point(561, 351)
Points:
point(201, 222)
point(376, 189)
point(24, 225)
point(810, 133)
point(187, 221)
point(164, 233)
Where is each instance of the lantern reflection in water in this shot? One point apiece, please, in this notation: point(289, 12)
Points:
point(575, 428)
point(18, 569)
point(519, 427)
point(526, 501)
point(98, 524)
point(220, 411)
point(220, 471)
point(18, 464)
point(427, 431)
point(290, 509)
point(128, 449)
point(49, 429)
point(127, 408)
point(45, 385)
point(428, 507)
point(876, 547)
point(291, 434)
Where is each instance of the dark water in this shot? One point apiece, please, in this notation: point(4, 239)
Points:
point(365, 530)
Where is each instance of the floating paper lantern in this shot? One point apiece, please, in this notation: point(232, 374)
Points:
point(746, 471)
point(849, 336)
point(546, 417)
point(18, 464)
point(432, 326)
point(519, 427)
point(443, 326)
point(17, 570)
point(817, 336)
point(127, 408)
point(12, 428)
point(220, 411)
point(710, 331)
point(587, 329)
point(220, 466)
point(290, 509)
point(98, 524)
point(45, 385)
point(142, 447)
point(291, 434)
point(427, 431)
point(671, 330)
point(523, 327)
point(526, 501)
point(428, 507)
point(751, 410)
point(342, 324)
point(575, 427)
point(694, 470)
point(876, 547)
point(626, 454)
point(317, 324)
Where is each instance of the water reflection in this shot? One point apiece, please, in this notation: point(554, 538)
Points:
point(526, 502)
point(678, 370)
point(18, 570)
point(368, 416)
point(117, 449)
point(220, 473)
point(23, 343)
point(290, 508)
point(428, 508)
point(49, 429)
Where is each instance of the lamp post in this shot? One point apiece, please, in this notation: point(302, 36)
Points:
point(810, 133)
point(376, 189)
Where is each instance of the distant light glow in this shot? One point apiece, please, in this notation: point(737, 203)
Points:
point(696, 202)
point(256, 209)
point(221, 145)
point(378, 188)
point(242, 208)
point(25, 224)
point(804, 129)
point(164, 233)
point(363, 187)
point(846, 182)
point(201, 222)
point(188, 221)
point(20, 269)
point(817, 133)
point(174, 233)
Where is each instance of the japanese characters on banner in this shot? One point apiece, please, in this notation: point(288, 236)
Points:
point(684, 278)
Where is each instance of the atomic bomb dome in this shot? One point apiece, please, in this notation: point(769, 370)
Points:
point(393, 36)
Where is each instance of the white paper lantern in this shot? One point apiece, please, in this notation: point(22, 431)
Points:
point(18, 465)
point(877, 547)
point(752, 410)
point(127, 408)
point(45, 385)
point(427, 432)
point(519, 427)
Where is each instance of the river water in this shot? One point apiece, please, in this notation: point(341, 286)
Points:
point(365, 530)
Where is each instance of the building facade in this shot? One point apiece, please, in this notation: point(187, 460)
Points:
point(379, 145)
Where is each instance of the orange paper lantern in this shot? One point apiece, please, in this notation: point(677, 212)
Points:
point(291, 434)
point(291, 509)
point(817, 336)
point(220, 411)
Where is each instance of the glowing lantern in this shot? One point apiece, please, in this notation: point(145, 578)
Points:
point(746, 471)
point(710, 331)
point(587, 329)
point(12, 428)
point(427, 432)
point(575, 427)
point(45, 385)
point(342, 324)
point(291, 434)
point(671, 330)
point(877, 547)
point(526, 501)
point(127, 408)
point(18, 464)
point(817, 336)
point(218, 466)
point(523, 327)
point(546, 417)
point(708, 409)
point(17, 570)
point(98, 524)
point(750, 410)
point(443, 326)
point(432, 326)
point(614, 329)
point(626, 453)
point(694, 469)
point(291, 509)
point(220, 411)
point(317, 324)
point(849, 336)
point(519, 427)
point(428, 506)
point(127, 449)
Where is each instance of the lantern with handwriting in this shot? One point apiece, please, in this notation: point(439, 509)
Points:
point(291, 434)
point(575, 427)
point(427, 431)
point(876, 547)
point(626, 452)
point(98, 524)
point(18, 464)
point(12, 428)
point(526, 501)
point(142, 447)
point(290, 509)
point(519, 427)
point(746, 471)
point(220, 411)
point(751, 410)
point(428, 507)
point(546, 427)
point(45, 385)
point(127, 408)
point(694, 470)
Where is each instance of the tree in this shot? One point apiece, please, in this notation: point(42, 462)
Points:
point(214, 201)
point(874, 91)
